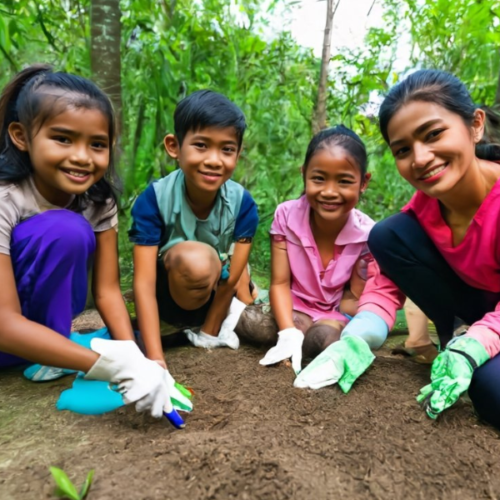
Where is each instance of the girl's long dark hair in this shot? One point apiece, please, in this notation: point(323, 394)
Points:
point(28, 99)
point(339, 136)
point(446, 90)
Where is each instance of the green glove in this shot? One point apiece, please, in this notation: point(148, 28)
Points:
point(451, 374)
point(343, 362)
point(179, 395)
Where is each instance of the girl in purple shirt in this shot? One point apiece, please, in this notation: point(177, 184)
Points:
point(319, 249)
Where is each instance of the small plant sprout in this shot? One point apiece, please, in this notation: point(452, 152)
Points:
point(66, 489)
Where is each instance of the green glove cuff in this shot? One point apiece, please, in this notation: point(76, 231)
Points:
point(357, 357)
point(469, 347)
point(451, 374)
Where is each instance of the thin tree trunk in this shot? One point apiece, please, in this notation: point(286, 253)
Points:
point(105, 32)
point(319, 119)
point(497, 96)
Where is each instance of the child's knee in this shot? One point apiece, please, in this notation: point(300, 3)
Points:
point(302, 321)
point(257, 327)
point(193, 270)
point(484, 391)
point(319, 336)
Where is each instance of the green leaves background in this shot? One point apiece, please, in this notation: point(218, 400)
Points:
point(173, 47)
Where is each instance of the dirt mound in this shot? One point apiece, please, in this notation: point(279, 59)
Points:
point(252, 436)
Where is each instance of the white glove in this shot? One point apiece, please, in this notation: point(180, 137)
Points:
point(202, 339)
point(139, 379)
point(225, 339)
point(289, 346)
point(227, 333)
point(236, 309)
point(229, 338)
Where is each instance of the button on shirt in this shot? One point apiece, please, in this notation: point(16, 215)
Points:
point(317, 291)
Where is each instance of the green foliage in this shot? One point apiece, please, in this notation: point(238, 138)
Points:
point(174, 47)
point(462, 37)
point(66, 489)
point(210, 44)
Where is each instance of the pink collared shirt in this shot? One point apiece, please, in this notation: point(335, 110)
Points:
point(476, 259)
point(317, 291)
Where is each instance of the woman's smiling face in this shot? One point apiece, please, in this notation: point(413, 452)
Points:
point(433, 147)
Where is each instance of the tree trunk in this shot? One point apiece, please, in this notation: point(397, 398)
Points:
point(105, 60)
point(497, 96)
point(319, 119)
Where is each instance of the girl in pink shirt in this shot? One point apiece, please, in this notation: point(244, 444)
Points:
point(443, 251)
point(319, 248)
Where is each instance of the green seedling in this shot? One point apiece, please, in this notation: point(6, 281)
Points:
point(66, 489)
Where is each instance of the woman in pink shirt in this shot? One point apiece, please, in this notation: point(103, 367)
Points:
point(319, 250)
point(443, 250)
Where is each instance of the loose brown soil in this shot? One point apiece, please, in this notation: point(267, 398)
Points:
point(252, 436)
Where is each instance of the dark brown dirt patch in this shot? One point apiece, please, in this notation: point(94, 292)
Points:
point(252, 436)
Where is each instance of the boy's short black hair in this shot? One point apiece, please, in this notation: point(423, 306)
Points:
point(205, 108)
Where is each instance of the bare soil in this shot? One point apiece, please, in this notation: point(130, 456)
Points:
point(252, 436)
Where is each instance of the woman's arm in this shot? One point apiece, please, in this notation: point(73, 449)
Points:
point(279, 293)
point(352, 293)
point(30, 340)
point(226, 289)
point(106, 286)
point(381, 296)
point(146, 304)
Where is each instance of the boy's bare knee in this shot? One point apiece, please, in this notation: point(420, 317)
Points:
point(193, 271)
point(193, 262)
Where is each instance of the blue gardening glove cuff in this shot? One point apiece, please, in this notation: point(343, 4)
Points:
point(368, 326)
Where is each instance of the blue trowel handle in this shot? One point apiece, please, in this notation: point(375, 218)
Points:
point(175, 419)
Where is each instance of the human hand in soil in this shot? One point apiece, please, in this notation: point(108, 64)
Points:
point(225, 338)
point(343, 362)
point(139, 380)
point(289, 345)
point(227, 333)
point(451, 374)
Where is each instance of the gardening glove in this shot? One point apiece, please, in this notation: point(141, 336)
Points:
point(343, 362)
point(206, 341)
point(368, 326)
point(227, 334)
point(289, 345)
point(179, 395)
point(451, 374)
point(138, 379)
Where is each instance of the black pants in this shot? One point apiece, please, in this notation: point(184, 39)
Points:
point(407, 256)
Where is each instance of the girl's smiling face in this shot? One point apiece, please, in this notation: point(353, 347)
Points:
point(69, 153)
point(433, 147)
point(333, 183)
